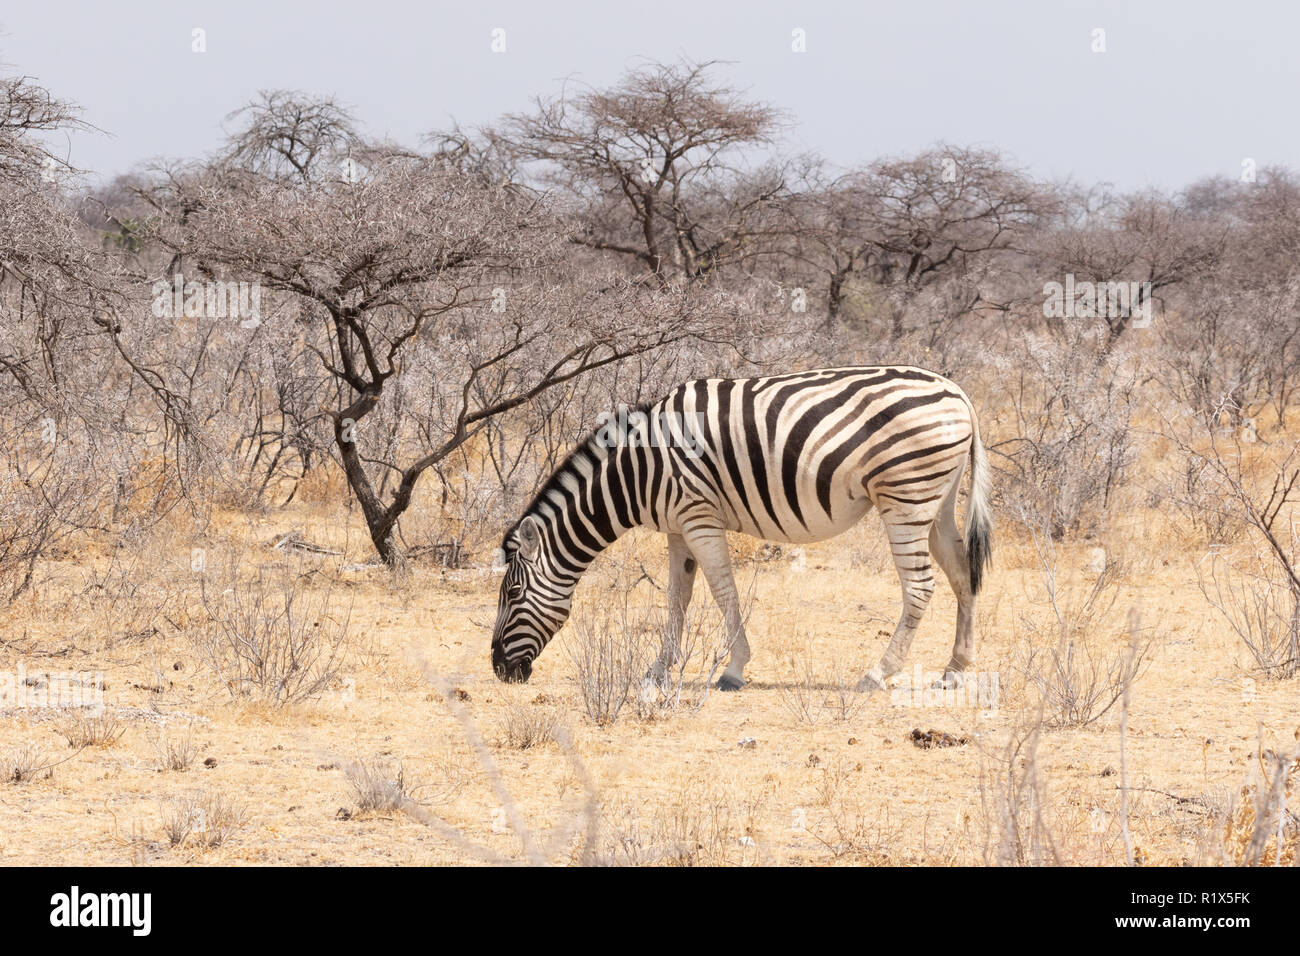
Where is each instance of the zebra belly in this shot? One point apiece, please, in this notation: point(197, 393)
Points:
point(817, 526)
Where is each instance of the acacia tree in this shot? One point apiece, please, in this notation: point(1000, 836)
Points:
point(1143, 238)
point(910, 224)
point(56, 445)
point(650, 166)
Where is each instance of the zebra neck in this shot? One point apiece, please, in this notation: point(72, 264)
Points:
point(587, 512)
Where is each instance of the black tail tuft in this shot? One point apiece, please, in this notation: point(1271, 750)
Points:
point(979, 552)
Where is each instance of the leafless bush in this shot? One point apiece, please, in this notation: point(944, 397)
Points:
point(1260, 596)
point(271, 639)
point(206, 819)
point(814, 696)
point(377, 787)
point(83, 728)
point(47, 495)
point(1072, 403)
point(1255, 826)
point(696, 826)
point(684, 683)
point(1080, 684)
point(839, 821)
point(175, 752)
point(133, 596)
point(529, 725)
point(611, 647)
point(1260, 604)
point(25, 763)
point(1202, 500)
point(1014, 802)
point(1077, 681)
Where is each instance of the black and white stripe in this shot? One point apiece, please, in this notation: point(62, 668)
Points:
point(795, 458)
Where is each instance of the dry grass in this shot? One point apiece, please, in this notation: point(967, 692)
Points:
point(667, 791)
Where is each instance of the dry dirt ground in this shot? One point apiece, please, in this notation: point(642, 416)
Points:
point(794, 769)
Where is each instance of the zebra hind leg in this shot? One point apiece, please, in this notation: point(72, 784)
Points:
point(909, 541)
point(950, 552)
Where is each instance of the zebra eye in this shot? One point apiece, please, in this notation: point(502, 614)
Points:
point(515, 590)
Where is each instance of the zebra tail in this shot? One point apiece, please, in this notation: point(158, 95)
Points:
point(979, 530)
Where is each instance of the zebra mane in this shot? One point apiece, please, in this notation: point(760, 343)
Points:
point(586, 450)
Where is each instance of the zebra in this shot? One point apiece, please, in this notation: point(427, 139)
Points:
point(795, 458)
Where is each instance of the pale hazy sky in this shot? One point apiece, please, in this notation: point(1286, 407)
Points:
point(1184, 89)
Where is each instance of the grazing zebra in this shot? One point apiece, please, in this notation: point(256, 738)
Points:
point(795, 458)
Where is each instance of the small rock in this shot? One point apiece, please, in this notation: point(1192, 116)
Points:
point(210, 762)
point(749, 743)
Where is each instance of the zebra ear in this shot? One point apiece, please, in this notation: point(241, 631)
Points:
point(530, 538)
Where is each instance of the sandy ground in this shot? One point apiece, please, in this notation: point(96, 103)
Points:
point(745, 778)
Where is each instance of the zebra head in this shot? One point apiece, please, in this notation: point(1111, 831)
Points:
point(532, 605)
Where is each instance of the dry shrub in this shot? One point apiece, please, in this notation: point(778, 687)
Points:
point(175, 753)
point(206, 819)
point(25, 763)
point(611, 645)
point(1259, 828)
point(1077, 679)
point(1072, 404)
point(529, 725)
point(818, 696)
point(693, 826)
point(1260, 601)
point(269, 638)
point(1202, 500)
point(842, 825)
point(616, 645)
point(84, 728)
point(48, 493)
point(377, 786)
point(683, 685)
point(138, 591)
point(1014, 803)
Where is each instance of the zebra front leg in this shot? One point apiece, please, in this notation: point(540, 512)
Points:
point(681, 584)
point(709, 545)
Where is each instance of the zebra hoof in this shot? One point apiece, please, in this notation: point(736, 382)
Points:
point(730, 683)
point(951, 680)
point(873, 681)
